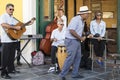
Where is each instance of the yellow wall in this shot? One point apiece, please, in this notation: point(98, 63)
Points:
point(70, 9)
point(79, 3)
point(17, 7)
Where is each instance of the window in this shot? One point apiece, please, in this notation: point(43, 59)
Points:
point(108, 15)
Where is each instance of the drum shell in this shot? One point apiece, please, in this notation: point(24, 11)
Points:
point(61, 55)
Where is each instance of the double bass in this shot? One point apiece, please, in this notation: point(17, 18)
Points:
point(45, 44)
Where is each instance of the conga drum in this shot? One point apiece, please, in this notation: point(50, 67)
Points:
point(61, 55)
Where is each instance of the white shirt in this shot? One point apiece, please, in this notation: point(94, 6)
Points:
point(60, 36)
point(64, 18)
point(6, 18)
point(98, 28)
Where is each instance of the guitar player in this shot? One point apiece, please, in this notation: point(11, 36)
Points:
point(7, 21)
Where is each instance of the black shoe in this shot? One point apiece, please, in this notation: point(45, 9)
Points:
point(6, 76)
point(58, 71)
point(88, 69)
point(13, 72)
point(19, 63)
point(78, 76)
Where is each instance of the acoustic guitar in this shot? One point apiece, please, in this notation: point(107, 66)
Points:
point(16, 34)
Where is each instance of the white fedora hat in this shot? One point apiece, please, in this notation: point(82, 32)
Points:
point(83, 10)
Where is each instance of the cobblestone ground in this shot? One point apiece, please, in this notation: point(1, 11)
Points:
point(40, 73)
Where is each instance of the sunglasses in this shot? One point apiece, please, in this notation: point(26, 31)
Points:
point(62, 24)
point(11, 9)
point(99, 15)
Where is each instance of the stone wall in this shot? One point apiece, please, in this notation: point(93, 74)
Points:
point(112, 45)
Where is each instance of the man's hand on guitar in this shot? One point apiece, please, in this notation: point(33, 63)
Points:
point(32, 21)
point(17, 27)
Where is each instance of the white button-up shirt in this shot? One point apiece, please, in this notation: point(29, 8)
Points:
point(98, 28)
point(6, 18)
point(59, 35)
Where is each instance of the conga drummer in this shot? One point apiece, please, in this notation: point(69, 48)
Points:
point(57, 38)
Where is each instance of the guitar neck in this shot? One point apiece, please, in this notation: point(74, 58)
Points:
point(25, 24)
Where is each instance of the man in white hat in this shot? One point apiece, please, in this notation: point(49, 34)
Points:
point(73, 38)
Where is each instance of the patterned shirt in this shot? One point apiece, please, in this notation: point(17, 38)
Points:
point(76, 24)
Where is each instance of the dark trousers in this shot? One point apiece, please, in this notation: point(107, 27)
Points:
point(99, 47)
point(53, 54)
point(8, 55)
point(0, 53)
point(0, 58)
point(18, 51)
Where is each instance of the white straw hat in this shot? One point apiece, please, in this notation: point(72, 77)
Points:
point(83, 10)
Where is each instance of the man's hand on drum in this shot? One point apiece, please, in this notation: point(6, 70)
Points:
point(55, 40)
point(90, 36)
point(82, 39)
point(100, 38)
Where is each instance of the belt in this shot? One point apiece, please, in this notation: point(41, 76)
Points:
point(71, 39)
point(67, 38)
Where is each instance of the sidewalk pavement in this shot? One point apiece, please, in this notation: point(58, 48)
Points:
point(40, 73)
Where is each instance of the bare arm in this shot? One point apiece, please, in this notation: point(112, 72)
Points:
point(76, 35)
point(7, 26)
point(53, 39)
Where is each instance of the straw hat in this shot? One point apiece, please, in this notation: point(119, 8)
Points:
point(83, 10)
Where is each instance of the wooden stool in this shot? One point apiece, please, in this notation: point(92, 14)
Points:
point(92, 56)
